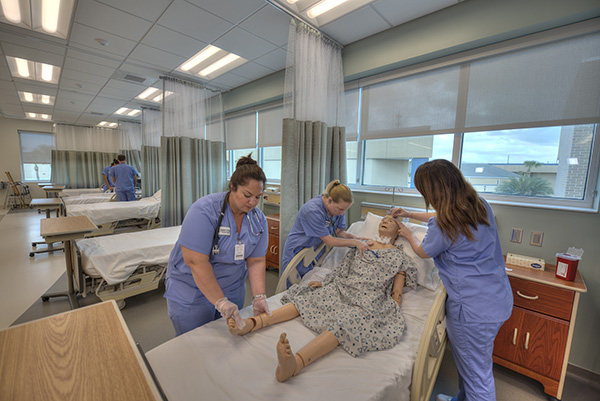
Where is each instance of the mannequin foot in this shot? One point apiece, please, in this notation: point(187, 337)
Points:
point(286, 358)
point(233, 329)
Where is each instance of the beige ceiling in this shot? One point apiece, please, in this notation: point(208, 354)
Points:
point(150, 38)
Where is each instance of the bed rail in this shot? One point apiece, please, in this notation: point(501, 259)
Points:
point(431, 350)
point(306, 257)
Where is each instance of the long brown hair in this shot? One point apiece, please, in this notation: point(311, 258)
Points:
point(246, 169)
point(459, 208)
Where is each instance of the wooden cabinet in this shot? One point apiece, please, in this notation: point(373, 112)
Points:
point(536, 339)
point(273, 249)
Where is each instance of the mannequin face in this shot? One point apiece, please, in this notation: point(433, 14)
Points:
point(388, 227)
point(336, 209)
point(246, 197)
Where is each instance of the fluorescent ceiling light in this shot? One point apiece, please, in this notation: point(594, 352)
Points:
point(147, 93)
point(11, 10)
point(199, 57)
point(105, 124)
point(44, 116)
point(122, 110)
point(323, 7)
point(292, 1)
point(32, 115)
point(36, 98)
point(28, 96)
point(45, 99)
point(39, 116)
point(50, 15)
point(133, 113)
point(230, 58)
point(22, 67)
point(47, 72)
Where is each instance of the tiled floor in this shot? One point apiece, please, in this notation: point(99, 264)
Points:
point(24, 278)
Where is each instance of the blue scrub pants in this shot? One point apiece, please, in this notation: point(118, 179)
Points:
point(472, 345)
point(189, 317)
point(125, 196)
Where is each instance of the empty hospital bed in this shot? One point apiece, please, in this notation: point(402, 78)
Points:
point(85, 199)
point(210, 363)
point(122, 265)
point(109, 216)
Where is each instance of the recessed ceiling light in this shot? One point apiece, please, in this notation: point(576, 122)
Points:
point(51, 17)
point(323, 7)
point(27, 69)
point(199, 57)
point(11, 11)
point(147, 93)
point(36, 98)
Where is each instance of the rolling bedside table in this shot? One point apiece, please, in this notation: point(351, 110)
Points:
point(273, 249)
point(536, 340)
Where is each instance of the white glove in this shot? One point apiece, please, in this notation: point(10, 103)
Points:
point(260, 305)
point(230, 310)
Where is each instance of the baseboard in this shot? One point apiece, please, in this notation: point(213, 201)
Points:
point(584, 375)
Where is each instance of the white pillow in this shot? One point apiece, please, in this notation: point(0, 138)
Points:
point(427, 274)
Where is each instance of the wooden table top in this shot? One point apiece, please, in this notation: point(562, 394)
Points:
point(44, 184)
point(53, 187)
point(547, 276)
point(44, 202)
point(84, 354)
point(66, 225)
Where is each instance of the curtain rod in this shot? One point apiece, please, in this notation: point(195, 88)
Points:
point(189, 83)
point(299, 18)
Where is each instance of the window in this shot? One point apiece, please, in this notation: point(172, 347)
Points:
point(36, 155)
point(520, 119)
point(271, 162)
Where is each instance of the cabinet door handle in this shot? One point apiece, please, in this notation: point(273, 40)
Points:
point(527, 296)
point(271, 248)
point(527, 341)
point(275, 249)
point(274, 228)
point(515, 336)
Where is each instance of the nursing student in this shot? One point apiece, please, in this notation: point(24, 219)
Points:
point(125, 178)
point(463, 241)
point(223, 241)
point(108, 181)
point(321, 219)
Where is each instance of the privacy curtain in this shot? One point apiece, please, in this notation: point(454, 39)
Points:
point(313, 141)
point(130, 135)
point(150, 153)
point(191, 165)
point(81, 154)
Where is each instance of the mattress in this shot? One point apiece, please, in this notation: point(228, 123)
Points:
point(85, 199)
point(79, 191)
point(107, 212)
point(211, 364)
point(115, 257)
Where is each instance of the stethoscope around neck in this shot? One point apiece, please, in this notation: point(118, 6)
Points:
point(215, 247)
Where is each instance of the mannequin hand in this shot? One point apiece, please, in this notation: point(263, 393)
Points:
point(397, 297)
point(315, 284)
point(260, 305)
point(230, 310)
point(399, 212)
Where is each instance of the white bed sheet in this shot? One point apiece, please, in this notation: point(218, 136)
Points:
point(65, 193)
point(209, 363)
point(115, 257)
point(85, 199)
point(107, 212)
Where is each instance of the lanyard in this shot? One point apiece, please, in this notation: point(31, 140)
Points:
point(215, 247)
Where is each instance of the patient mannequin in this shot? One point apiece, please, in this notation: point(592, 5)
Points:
point(357, 306)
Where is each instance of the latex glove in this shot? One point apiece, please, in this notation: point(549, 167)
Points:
point(315, 284)
point(361, 246)
point(230, 310)
point(399, 212)
point(260, 305)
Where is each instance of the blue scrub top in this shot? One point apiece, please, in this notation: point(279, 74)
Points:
point(122, 175)
point(473, 272)
point(196, 234)
point(312, 223)
point(105, 172)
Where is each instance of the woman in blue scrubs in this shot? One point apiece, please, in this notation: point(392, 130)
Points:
point(463, 241)
point(223, 241)
point(321, 219)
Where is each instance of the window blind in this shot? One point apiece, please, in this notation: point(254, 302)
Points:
point(270, 123)
point(240, 131)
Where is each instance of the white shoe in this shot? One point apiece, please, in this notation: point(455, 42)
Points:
point(443, 397)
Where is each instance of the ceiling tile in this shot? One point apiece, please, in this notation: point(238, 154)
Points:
point(229, 80)
point(31, 86)
point(354, 26)
point(71, 105)
point(149, 10)
point(274, 60)
point(84, 77)
point(165, 39)
point(275, 31)
point(400, 11)
point(88, 67)
point(190, 20)
point(47, 43)
point(65, 116)
point(233, 11)
point(32, 54)
point(79, 86)
point(87, 36)
point(252, 71)
point(159, 58)
point(93, 57)
point(244, 44)
point(136, 68)
point(109, 19)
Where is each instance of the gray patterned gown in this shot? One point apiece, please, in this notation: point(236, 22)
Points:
point(355, 301)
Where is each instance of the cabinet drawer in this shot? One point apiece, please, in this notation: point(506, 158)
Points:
point(542, 298)
point(273, 225)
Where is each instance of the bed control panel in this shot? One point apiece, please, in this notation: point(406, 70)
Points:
point(525, 261)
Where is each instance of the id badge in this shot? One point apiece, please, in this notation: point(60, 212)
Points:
point(239, 252)
point(224, 231)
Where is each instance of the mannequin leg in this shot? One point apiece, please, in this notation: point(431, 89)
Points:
point(285, 313)
point(290, 364)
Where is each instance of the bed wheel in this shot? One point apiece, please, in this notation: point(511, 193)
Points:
point(31, 254)
point(33, 245)
point(45, 299)
point(121, 304)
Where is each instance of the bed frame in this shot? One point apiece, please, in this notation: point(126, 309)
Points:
point(433, 340)
point(145, 278)
point(124, 226)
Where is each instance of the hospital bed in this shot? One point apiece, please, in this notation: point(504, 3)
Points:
point(85, 199)
point(210, 363)
point(122, 265)
point(65, 193)
point(110, 216)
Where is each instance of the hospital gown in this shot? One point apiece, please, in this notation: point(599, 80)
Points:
point(355, 301)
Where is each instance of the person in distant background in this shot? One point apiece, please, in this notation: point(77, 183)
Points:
point(124, 177)
point(108, 181)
